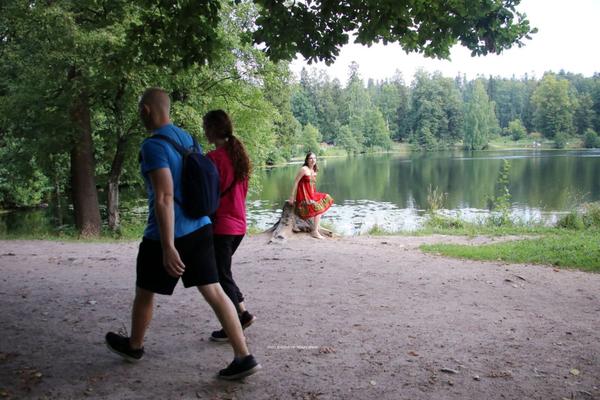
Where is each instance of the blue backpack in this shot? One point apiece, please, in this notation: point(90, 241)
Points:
point(199, 180)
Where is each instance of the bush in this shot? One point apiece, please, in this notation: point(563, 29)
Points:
point(435, 199)
point(560, 140)
point(571, 221)
point(591, 215)
point(516, 130)
point(437, 221)
point(591, 139)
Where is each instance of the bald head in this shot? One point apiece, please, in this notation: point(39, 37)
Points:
point(154, 108)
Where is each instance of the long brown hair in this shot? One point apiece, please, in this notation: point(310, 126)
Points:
point(315, 168)
point(218, 123)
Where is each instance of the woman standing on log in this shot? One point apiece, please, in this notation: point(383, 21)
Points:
point(229, 222)
point(307, 201)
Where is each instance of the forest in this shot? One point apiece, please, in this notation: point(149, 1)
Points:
point(72, 73)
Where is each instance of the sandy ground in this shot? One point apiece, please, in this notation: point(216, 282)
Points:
point(347, 318)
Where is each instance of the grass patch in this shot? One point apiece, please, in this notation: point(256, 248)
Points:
point(377, 230)
point(563, 248)
point(126, 233)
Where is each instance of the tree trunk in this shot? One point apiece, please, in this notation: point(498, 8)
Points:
point(113, 184)
point(58, 200)
point(83, 182)
point(290, 223)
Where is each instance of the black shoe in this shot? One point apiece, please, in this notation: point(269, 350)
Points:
point(219, 336)
point(119, 344)
point(246, 319)
point(240, 368)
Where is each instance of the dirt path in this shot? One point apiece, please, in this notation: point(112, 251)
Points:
point(350, 318)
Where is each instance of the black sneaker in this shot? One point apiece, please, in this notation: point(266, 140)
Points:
point(119, 344)
point(240, 368)
point(219, 336)
point(246, 319)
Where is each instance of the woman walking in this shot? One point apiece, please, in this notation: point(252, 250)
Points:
point(229, 222)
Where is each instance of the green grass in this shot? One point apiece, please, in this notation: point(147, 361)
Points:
point(377, 230)
point(127, 232)
point(559, 247)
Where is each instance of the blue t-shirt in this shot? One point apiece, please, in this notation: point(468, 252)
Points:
point(157, 153)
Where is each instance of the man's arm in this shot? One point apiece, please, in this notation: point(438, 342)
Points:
point(162, 184)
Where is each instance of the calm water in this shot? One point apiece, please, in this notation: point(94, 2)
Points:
point(390, 191)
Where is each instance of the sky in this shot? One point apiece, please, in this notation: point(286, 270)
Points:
point(568, 38)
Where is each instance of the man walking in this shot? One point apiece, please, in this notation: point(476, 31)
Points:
point(174, 245)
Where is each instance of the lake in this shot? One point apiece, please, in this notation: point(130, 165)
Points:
point(390, 190)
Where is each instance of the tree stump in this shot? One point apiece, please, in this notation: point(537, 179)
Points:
point(290, 223)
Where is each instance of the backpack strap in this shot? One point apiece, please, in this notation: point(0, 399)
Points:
point(180, 149)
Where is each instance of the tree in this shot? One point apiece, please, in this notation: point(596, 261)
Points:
point(516, 130)
point(311, 139)
point(81, 87)
point(72, 62)
point(376, 131)
point(591, 139)
point(317, 29)
point(436, 108)
point(584, 115)
point(480, 120)
point(347, 140)
point(553, 107)
point(391, 98)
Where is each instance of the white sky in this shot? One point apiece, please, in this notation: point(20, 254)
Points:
point(568, 38)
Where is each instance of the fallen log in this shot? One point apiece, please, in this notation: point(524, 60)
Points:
point(290, 223)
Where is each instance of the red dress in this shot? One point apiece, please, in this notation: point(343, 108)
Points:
point(309, 202)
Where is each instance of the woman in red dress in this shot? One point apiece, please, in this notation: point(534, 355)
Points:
point(308, 203)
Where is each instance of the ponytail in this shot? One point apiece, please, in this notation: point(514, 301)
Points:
point(239, 158)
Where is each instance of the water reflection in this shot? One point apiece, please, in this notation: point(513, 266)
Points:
point(390, 191)
point(356, 217)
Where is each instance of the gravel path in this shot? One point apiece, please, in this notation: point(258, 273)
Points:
point(347, 318)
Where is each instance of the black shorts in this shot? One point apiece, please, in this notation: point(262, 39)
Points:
point(197, 253)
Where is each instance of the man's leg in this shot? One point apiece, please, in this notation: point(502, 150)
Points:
point(225, 311)
point(141, 315)
point(132, 348)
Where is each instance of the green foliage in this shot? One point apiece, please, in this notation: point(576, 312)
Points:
point(500, 203)
point(376, 132)
point(516, 130)
point(591, 215)
point(435, 199)
point(591, 139)
point(348, 141)
point(22, 183)
point(560, 140)
point(437, 222)
point(553, 107)
point(108, 58)
point(317, 29)
point(572, 220)
point(311, 139)
point(437, 111)
point(587, 217)
point(435, 202)
point(480, 119)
